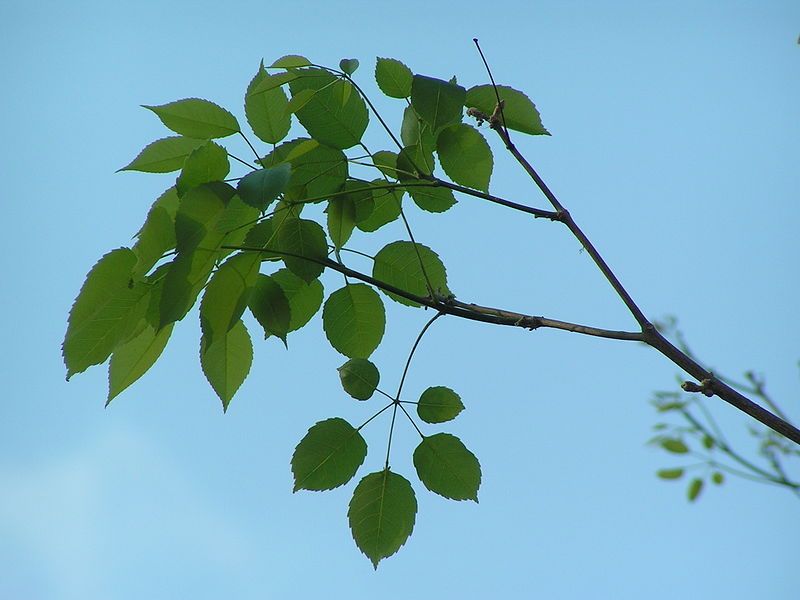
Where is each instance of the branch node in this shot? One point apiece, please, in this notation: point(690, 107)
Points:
point(706, 387)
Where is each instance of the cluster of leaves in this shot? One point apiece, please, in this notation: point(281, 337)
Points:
point(245, 245)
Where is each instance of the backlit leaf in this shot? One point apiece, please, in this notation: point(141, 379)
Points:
point(305, 299)
point(316, 170)
point(419, 140)
point(341, 219)
point(382, 514)
point(386, 162)
point(300, 238)
point(447, 468)
point(399, 264)
point(206, 163)
point(227, 294)
point(291, 61)
point(226, 362)
point(434, 199)
point(164, 155)
point(259, 188)
point(348, 65)
point(694, 489)
point(386, 207)
point(438, 102)
point(439, 404)
point(328, 456)
point(465, 156)
point(354, 320)
point(196, 118)
point(270, 306)
point(265, 106)
point(157, 235)
point(359, 378)
point(519, 112)
point(393, 78)
point(134, 358)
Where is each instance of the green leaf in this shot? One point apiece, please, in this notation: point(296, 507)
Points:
point(157, 235)
point(185, 278)
point(382, 514)
point(134, 358)
point(718, 478)
point(393, 78)
point(305, 299)
point(446, 467)
point(438, 102)
point(205, 164)
point(196, 118)
point(386, 207)
point(708, 442)
point(316, 170)
point(670, 473)
point(415, 162)
point(104, 311)
point(418, 140)
point(398, 264)
point(354, 320)
point(465, 156)
point(674, 446)
point(302, 238)
point(291, 61)
point(328, 456)
point(341, 219)
point(348, 65)
point(359, 378)
point(259, 188)
point(227, 294)
point(670, 406)
point(226, 361)
point(439, 404)
point(694, 489)
point(386, 162)
point(434, 199)
point(198, 215)
point(270, 306)
point(519, 112)
point(335, 115)
point(164, 155)
point(299, 100)
point(265, 106)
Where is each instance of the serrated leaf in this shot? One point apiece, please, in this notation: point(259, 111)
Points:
point(291, 61)
point(328, 456)
point(205, 164)
point(157, 235)
point(439, 404)
point(299, 100)
point(418, 140)
point(349, 65)
point(393, 78)
point(270, 306)
point(300, 238)
point(694, 489)
point(196, 118)
point(199, 212)
point(259, 188)
point(386, 208)
point(134, 358)
point(354, 320)
point(438, 102)
point(335, 115)
point(104, 311)
point(226, 362)
point(435, 199)
point(305, 299)
point(401, 265)
point(674, 446)
point(265, 106)
point(164, 155)
point(670, 473)
point(465, 156)
point(519, 112)
point(227, 294)
point(386, 162)
point(359, 378)
point(382, 514)
point(341, 219)
point(316, 170)
point(447, 468)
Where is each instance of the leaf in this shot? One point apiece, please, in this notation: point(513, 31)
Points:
point(205, 164)
point(341, 219)
point(185, 278)
point(694, 489)
point(434, 199)
point(359, 378)
point(335, 115)
point(198, 215)
point(398, 264)
point(674, 446)
point(670, 473)
point(301, 238)
point(226, 362)
point(393, 78)
point(708, 442)
point(354, 320)
point(328, 456)
point(164, 155)
point(718, 478)
point(446, 467)
point(227, 294)
point(348, 65)
point(519, 112)
point(382, 514)
point(386, 162)
point(134, 358)
point(196, 118)
point(103, 312)
point(270, 306)
point(305, 299)
point(418, 140)
point(386, 207)
point(438, 102)
point(291, 61)
point(316, 170)
point(299, 100)
point(439, 404)
point(265, 106)
point(465, 156)
point(157, 235)
point(259, 188)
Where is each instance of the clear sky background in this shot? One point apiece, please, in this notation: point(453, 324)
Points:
point(675, 128)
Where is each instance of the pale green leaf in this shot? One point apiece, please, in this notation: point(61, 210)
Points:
point(205, 164)
point(157, 235)
point(226, 362)
point(401, 264)
point(519, 112)
point(328, 456)
point(439, 103)
point(134, 358)
point(199, 212)
point(259, 188)
point(417, 136)
point(164, 155)
point(265, 106)
point(354, 320)
point(465, 156)
point(393, 78)
point(196, 118)
point(227, 294)
point(439, 404)
point(446, 467)
point(316, 170)
point(359, 378)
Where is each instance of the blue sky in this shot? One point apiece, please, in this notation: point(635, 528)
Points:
point(674, 146)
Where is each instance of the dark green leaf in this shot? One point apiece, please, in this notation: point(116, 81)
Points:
point(434, 199)
point(418, 138)
point(270, 306)
point(674, 446)
point(164, 155)
point(670, 473)
point(157, 235)
point(328, 456)
point(134, 358)
point(393, 78)
point(226, 362)
point(187, 274)
point(354, 320)
point(359, 378)
point(386, 207)
point(348, 65)
point(226, 295)
point(439, 404)
point(341, 219)
point(694, 489)
point(259, 188)
point(382, 514)
point(316, 170)
point(305, 299)
point(519, 112)
point(438, 102)
point(206, 163)
point(299, 100)
point(399, 264)
point(465, 156)
point(447, 468)
point(305, 246)
point(265, 106)
point(386, 162)
point(414, 162)
point(708, 442)
point(196, 118)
